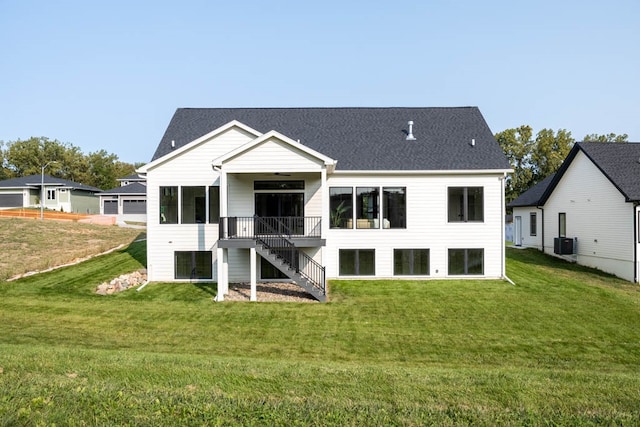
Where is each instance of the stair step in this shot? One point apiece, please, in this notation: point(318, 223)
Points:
point(286, 268)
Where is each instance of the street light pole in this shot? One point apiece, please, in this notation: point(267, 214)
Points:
point(42, 189)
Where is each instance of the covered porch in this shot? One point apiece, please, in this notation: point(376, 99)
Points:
point(273, 196)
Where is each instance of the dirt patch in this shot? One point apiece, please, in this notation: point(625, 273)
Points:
point(269, 292)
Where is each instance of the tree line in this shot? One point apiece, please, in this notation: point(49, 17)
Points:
point(535, 158)
point(27, 157)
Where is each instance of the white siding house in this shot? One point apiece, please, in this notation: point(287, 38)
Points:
point(247, 195)
point(589, 209)
point(528, 215)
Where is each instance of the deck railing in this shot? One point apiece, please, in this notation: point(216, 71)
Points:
point(239, 227)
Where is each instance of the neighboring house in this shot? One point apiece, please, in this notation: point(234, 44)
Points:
point(528, 215)
point(309, 194)
point(128, 202)
point(59, 194)
point(130, 179)
point(589, 210)
point(508, 228)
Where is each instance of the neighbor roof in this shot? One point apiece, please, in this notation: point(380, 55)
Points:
point(619, 162)
point(132, 177)
point(533, 196)
point(360, 138)
point(34, 181)
point(133, 188)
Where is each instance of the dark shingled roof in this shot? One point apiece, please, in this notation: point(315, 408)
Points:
point(133, 188)
point(132, 177)
point(619, 162)
point(33, 181)
point(533, 196)
point(360, 138)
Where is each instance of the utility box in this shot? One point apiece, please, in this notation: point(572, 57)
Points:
point(563, 246)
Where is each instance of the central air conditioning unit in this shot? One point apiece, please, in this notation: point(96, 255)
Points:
point(563, 246)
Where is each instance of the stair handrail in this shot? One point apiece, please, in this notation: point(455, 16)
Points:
point(291, 255)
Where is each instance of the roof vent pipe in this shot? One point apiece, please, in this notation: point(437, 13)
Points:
point(410, 136)
point(473, 142)
point(173, 143)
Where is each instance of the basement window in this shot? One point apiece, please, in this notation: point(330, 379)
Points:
point(193, 265)
point(466, 262)
point(411, 262)
point(357, 262)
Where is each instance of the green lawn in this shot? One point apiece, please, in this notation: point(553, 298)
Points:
point(562, 347)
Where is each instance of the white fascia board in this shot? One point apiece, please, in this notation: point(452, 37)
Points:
point(329, 162)
point(234, 123)
point(427, 172)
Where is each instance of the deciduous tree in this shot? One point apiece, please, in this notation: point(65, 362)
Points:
point(26, 157)
point(532, 159)
point(610, 137)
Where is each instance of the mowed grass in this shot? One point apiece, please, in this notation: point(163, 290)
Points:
point(27, 244)
point(562, 347)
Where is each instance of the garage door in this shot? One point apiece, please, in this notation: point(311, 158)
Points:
point(11, 200)
point(111, 207)
point(134, 206)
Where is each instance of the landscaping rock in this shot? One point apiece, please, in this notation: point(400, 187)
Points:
point(123, 282)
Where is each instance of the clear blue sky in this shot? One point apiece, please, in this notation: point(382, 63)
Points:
point(110, 74)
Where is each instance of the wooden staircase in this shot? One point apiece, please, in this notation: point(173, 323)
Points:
point(280, 251)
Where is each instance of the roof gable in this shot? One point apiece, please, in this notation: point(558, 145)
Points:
point(618, 162)
point(173, 147)
point(288, 143)
point(359, 138)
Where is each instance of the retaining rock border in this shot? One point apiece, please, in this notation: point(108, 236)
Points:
point(123, 282)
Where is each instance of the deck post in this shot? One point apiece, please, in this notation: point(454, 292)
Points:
point(253, 261)
point(223, 274)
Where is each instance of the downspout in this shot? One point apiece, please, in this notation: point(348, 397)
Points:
point(502, 242)
point(635, 243)
point(541, 225)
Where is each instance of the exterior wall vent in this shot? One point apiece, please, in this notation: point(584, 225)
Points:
point(410, 136)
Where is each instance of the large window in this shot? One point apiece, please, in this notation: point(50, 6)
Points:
point(562, 224)
point(193, 265)
point(466, 204)
point(214, 205)
point(193, 205)
point(411, 262)
point(533, 224)
point(168, 205)
point(466, 261)
point(341, 207)
point(367, 207)
point(357, 262)
point(394, 205)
